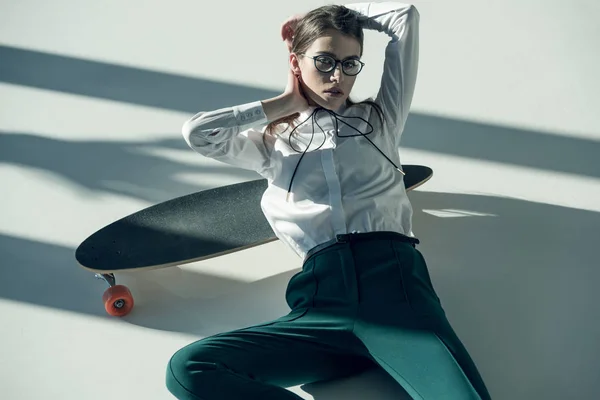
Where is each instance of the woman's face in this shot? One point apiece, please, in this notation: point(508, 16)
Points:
point(329, 90)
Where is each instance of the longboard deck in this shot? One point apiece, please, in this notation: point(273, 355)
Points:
point(192, 228)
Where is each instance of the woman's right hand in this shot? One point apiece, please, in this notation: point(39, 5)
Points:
point(288, 29)
point(294, 94)
point(291, 101)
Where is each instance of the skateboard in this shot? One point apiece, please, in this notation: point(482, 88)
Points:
point(186, 229)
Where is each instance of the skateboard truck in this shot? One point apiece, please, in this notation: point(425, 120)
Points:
point(108, 278)
point(118, 300)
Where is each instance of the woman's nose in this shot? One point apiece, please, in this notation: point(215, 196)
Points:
point(337, 74)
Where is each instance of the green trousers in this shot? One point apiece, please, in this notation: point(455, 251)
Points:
point(366, 301)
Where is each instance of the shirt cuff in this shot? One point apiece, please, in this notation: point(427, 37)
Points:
point(249, 114)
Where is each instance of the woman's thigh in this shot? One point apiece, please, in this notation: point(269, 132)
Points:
point(300, 348)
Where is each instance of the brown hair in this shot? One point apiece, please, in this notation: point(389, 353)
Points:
point(310, 28)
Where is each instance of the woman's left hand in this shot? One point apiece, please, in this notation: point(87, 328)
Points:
point(288, 28)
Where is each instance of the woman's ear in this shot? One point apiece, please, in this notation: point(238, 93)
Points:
point(295, 64)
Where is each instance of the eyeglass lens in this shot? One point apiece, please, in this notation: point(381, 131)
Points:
point(328, 64)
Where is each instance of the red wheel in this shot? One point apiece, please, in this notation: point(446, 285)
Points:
point(118, 300)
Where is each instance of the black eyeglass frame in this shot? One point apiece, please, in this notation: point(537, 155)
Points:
point(362, 64)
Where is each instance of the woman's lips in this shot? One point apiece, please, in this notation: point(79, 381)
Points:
point(334, 92)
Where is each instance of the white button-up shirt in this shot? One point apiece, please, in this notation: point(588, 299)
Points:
point(343, 184)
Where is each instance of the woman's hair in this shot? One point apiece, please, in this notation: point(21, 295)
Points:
point(314, 25)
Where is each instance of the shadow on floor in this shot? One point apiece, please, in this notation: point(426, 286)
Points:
point(124, 168)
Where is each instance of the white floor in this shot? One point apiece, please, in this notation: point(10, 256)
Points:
point(91, 102)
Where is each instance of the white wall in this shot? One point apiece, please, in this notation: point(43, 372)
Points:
point(505, 112)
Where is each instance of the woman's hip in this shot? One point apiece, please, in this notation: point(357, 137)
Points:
point(380, 268)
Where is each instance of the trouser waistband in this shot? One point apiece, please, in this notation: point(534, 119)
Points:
point(361, 237)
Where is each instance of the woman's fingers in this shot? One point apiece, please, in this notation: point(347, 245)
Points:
point(287, 31)
point(284, 31)
point(289, 26)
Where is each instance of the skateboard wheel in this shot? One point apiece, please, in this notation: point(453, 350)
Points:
point(118, 300)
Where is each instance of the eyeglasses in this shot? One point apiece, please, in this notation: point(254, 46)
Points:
point(350, 67)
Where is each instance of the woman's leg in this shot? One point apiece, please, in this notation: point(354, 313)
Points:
point(422, 362)
point(260, 361)
point(404, 328)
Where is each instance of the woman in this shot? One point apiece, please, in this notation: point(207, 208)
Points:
point(336, 197)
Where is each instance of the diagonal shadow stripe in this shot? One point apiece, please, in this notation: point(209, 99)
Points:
point(175, 92)
point(503, 144)
point(120, 83)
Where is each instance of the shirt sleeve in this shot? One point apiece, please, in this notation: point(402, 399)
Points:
point(401, 22)
point(231, 135)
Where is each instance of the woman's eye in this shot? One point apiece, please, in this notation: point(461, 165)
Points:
point(325, 61)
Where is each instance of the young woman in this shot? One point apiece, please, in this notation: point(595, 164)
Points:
point(336, 197)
